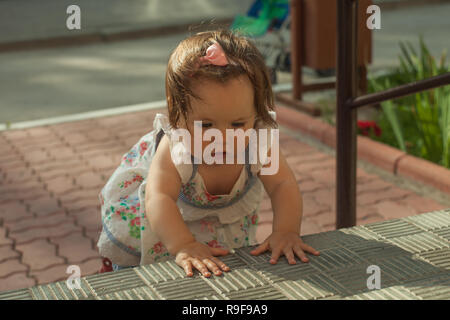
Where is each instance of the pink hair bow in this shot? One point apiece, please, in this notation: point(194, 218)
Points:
point(214, 55)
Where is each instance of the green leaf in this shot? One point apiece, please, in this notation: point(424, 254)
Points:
point(423, 119)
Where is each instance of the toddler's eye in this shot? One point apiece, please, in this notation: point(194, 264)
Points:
point(238, 124)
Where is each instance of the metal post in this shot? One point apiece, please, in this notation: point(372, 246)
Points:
point(346, 117)
point(296, 48)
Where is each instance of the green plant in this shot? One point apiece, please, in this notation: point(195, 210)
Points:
point(420, 123)
point(328, 112)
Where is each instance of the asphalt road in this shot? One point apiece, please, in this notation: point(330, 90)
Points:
point(53, 82)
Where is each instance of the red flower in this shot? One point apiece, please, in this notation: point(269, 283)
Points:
point(377, 130)
point(366, 126)
point(136, 221)
point(143, 147)
point(254, 218)
point(158, 247)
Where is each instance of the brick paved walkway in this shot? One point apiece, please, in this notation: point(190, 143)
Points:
point(50, 178)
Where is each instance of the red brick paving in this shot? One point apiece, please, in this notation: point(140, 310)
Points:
point(50, 178)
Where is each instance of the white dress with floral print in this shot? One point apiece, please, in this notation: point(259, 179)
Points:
point(226, 221)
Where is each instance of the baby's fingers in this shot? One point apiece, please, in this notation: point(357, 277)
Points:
point(201, 267)
point(301, 254)
point(289, 255)
point(309, 249)
point(275, 255)
point(261, 248)
point(212, 266)
point(222, 265)
point(187, 266)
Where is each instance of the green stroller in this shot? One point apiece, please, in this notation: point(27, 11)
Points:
point(267, 22)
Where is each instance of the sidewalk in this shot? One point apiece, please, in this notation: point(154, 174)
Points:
point(30, 24)
point(46, 19)
point(50, 177)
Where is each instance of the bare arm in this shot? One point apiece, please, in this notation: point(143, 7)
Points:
point(287, 216)
point(285, 196)
point(161, 194)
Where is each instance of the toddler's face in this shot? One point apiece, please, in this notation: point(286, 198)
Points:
point(223, 106)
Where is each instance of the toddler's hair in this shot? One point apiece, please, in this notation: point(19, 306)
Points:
point(244, 59)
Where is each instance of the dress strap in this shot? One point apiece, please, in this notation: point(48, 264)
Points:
point(159, 136)
point(194, 168)
point(247, 162)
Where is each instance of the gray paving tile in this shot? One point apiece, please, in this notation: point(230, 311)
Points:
point(430, 220)
point(393, 228)
point(373, 250)
point(236, 280)
point(443, 232)
point(211, 297)
point(21, 294)
point(60, 291)
point(355, 278)
point(244, 255)
point(160, 272)
point(187, 288)
point(120, 280)
point(438, 258)
point(390, 293)
point(319, 241)
point(335, 297)
point(420, 242)
point(433, 288)
point(348, 237)
point(362, 233)
point(335, 258)
point(260, 293)
point(406, 268)
point(310, 288)
point(283, 271)
point(302, 290)
point(140, 293)
point(233, 261)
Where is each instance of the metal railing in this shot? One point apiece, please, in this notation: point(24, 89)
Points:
point(347, 104)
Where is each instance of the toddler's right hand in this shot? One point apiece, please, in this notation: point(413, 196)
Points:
point(201, 256)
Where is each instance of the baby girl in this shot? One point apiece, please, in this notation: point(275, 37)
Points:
point(155, 208)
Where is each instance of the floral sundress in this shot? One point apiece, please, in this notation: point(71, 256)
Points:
point(221, 221)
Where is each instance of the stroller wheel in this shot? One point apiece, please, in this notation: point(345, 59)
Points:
point(284, 62)
point(287, 62)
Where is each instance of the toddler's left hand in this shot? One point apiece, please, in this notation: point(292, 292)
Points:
point(286, 243)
